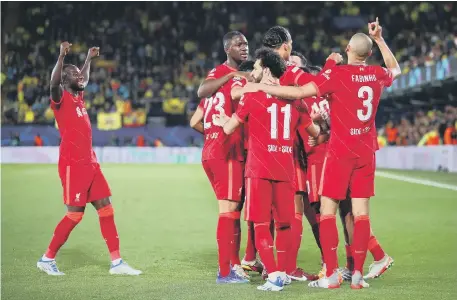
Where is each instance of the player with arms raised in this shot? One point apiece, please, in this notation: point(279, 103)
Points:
point(223, 156)
point(82, 179)
point(269, 174)
point(354, 92)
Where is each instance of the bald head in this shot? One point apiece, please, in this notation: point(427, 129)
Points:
point(360, 45)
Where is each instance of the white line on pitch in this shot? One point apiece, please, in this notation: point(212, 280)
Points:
point(416, 180)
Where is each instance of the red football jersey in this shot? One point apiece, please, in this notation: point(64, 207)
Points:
point(217, 144)
point(295, 76)
point(75, 130)
point(354, 94)
point(316, 153)
point(241, 82)
point(220, 71)
point(272, 128)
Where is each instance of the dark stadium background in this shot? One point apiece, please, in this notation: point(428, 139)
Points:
point(155, 54)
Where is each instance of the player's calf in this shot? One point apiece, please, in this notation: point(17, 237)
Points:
point(362, 231)
point(329, 234)
point(108, 228)
point(61, 233)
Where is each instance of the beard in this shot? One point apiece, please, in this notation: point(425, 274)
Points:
point(77, 87)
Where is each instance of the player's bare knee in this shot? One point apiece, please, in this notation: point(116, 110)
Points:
point(328, 206)
point(76, 208)
point(299, 206)
point(101, 203)
point(226, 206)
point(360, 206)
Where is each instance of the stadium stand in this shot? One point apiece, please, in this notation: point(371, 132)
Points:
point(154, 55)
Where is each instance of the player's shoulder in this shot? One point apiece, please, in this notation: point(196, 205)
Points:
point(292, 68)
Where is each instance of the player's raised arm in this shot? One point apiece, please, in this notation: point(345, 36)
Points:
point(56, 75)
point(196, 120)
point(85, 71)
point(391, 62)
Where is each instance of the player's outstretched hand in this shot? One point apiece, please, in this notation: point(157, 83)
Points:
point(93, 52)
point(336, 57)
point(64, 48)
point(375, 30)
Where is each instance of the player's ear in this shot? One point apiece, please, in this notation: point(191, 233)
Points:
point(348, 48)
point(371, 52)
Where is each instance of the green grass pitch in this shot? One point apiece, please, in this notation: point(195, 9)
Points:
point(166, 217)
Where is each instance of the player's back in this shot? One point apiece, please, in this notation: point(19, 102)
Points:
point(272, 124)
point(75, 129)
point(218, 145)
point(355, 93)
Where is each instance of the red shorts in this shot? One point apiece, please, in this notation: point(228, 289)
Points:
point(313, 180)
point(343, 175)
point(300, 178)
point(264, 196)
point(226, 178)
point(83, 184)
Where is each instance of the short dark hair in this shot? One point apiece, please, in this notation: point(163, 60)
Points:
point(227, 39)
point(271, 60)
point(304, 61)
point(246, 66)
point(306, 69)
point(315, 69)
point(275, 37)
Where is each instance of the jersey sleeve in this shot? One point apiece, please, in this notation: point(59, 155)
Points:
point(217, 72)
point(243, 109)
point(238, 82)
point(201, 105)
point(55, 104)
point(303, 123)
point(385, 76)
point(291, 76)
point(327, 82)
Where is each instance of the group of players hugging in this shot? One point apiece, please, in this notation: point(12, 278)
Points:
point(264, 150)
point(269, 148)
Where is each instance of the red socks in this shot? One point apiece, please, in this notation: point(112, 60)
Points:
point(251, 251)
point(283, 246)
point(264, 244)
point(236, 240)
point(329, 242)
point(296, 236)
point(62, 232)
point(375, 249)
point(109, 231)
point(359, 245)
point(224, 235)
